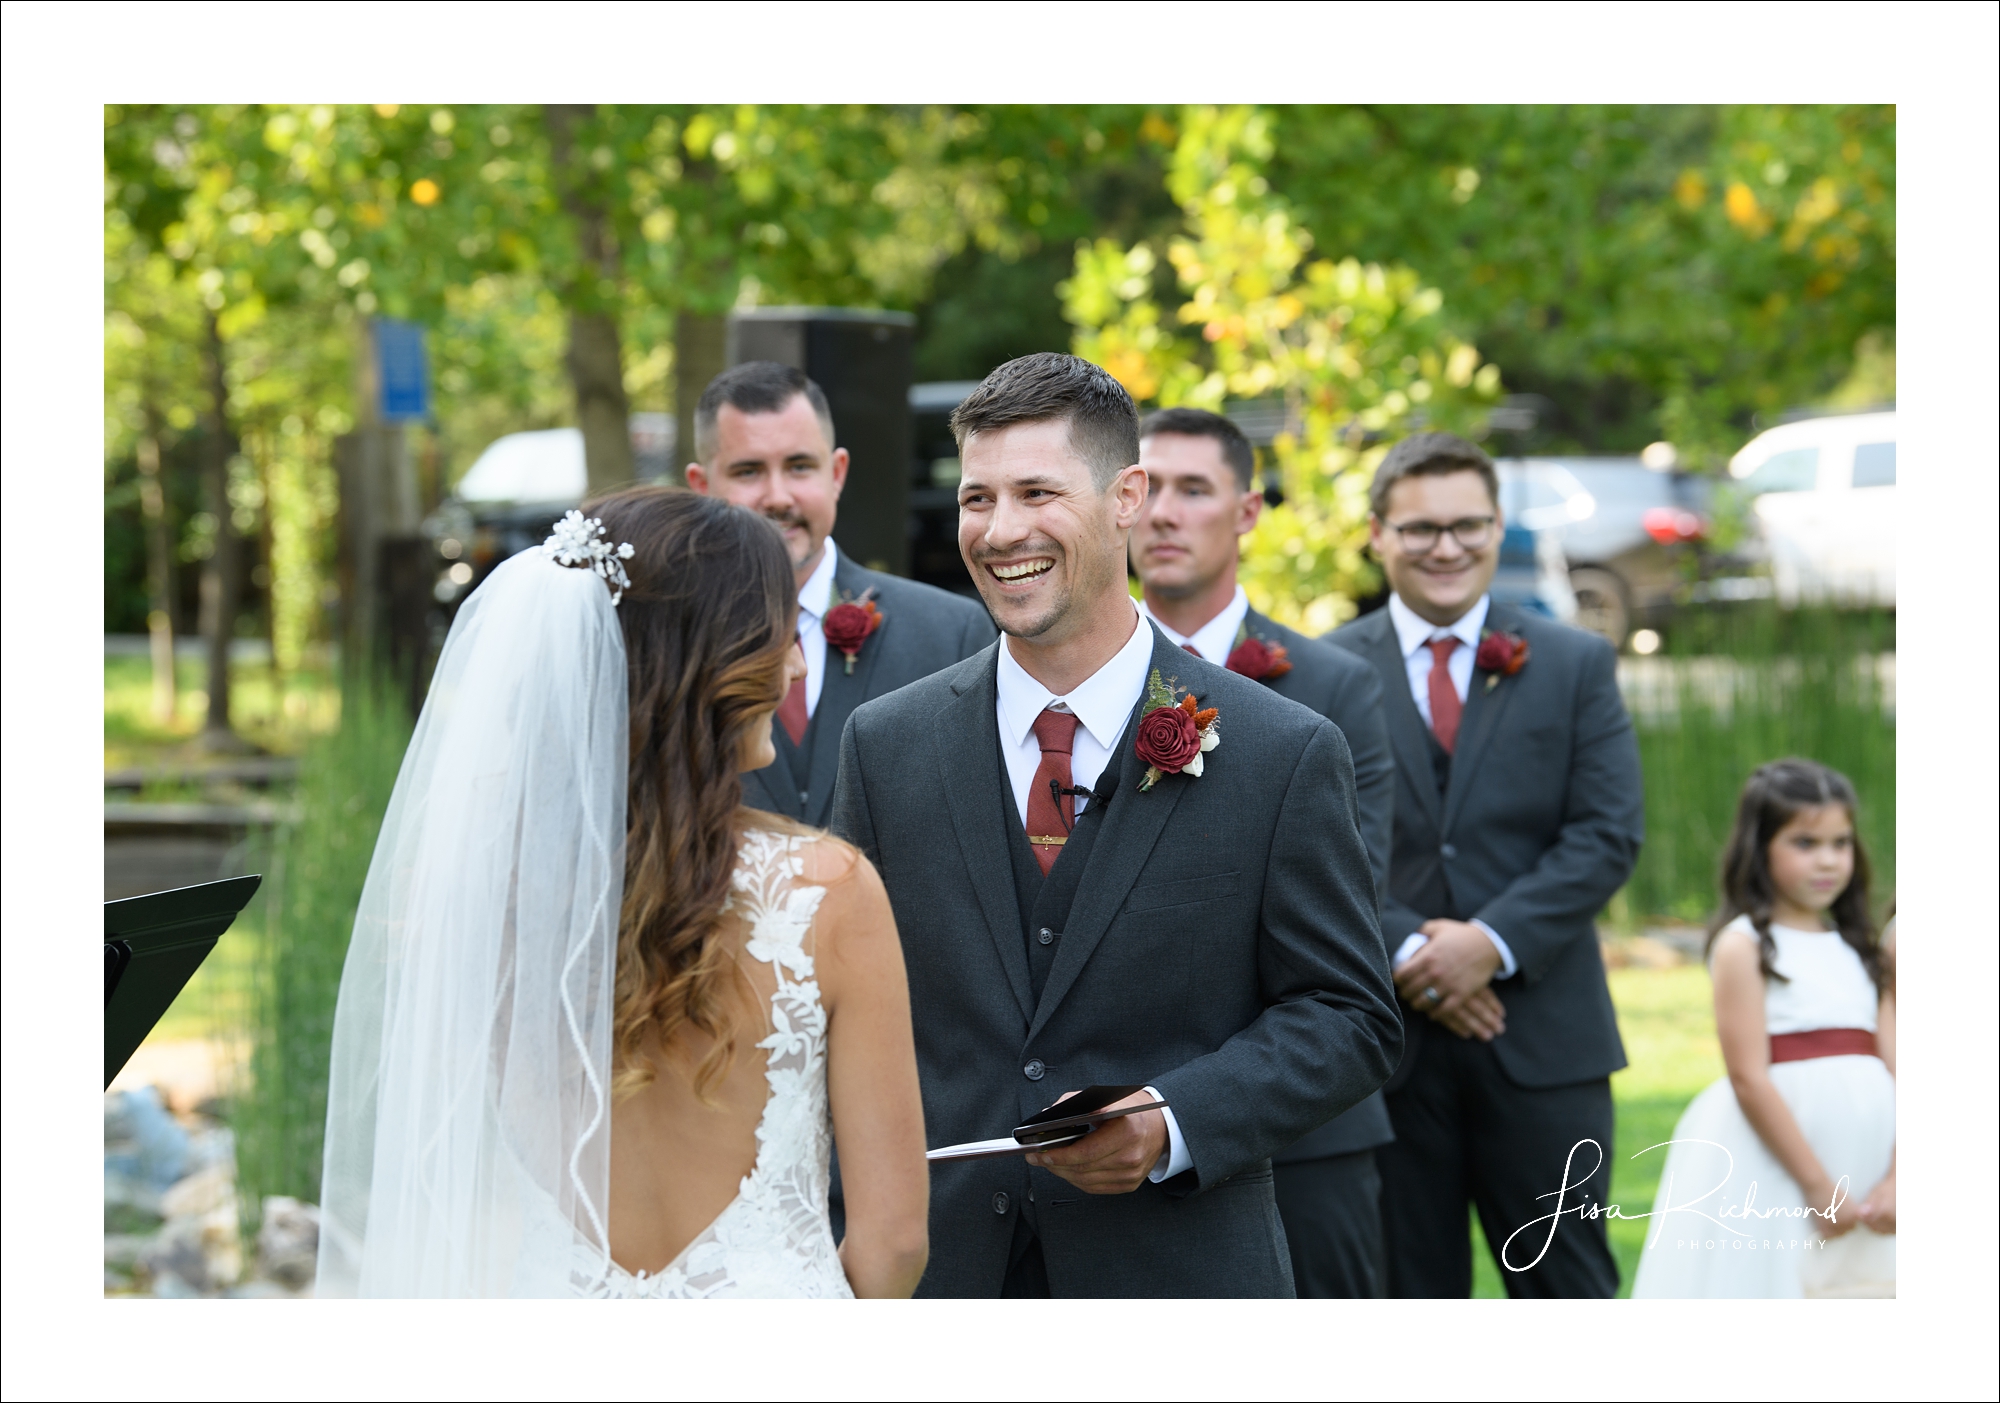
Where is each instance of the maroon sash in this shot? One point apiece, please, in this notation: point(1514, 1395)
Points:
point(1822, 1042)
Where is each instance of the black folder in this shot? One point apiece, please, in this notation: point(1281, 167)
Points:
point(152, 946)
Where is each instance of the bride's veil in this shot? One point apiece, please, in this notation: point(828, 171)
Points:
point(469, 1112)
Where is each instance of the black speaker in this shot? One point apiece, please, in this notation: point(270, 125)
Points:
point(861, 359)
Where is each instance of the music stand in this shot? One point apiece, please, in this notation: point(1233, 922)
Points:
point(152, 946)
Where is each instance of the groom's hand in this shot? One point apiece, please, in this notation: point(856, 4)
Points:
point(1116, 1157)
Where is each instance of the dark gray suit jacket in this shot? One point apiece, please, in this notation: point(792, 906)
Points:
point(1348, 692)
point(1222, 946)
point(923, 630)
point(1539, 825)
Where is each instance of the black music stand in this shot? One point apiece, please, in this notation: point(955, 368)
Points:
point(152, 947)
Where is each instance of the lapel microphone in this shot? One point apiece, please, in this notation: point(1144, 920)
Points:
point(1107, 785)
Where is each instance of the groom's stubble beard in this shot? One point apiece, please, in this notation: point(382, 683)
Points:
point(1083, 571)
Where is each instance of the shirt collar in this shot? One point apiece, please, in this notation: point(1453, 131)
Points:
point(1215, 639)
point(818, 588)
point(1102, 701)
point(1413, 632)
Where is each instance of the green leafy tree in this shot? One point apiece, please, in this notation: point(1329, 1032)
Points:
point(1358, 353)
point(1652, 271)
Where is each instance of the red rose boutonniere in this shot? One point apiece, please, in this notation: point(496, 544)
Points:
point(848, 625)
point(1174, 735)
point(1256, 658)
point(1500, 655)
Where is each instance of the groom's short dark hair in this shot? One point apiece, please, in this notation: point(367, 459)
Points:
point(1103, 424)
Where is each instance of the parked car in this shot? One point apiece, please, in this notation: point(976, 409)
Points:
point(1628, 531)
point(1822, 499)
point(515, 492)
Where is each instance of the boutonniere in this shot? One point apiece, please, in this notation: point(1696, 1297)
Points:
point(1174, 734)
point(1500, 655)
point(847, 625)
point(1256, 658)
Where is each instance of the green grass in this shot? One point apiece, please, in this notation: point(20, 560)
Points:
point(316, 871)
point(1668, 1024)
point(278, 714)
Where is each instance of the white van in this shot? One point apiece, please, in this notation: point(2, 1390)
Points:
point(1823, 497)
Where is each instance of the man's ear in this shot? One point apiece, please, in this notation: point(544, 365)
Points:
point(1250, 507)
point(1128, 493)
point(697, 478)
point(839, 471)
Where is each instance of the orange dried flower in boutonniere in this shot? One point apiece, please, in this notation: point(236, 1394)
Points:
point(1174, 734)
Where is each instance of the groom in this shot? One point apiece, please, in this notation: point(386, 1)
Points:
point(1073, 916)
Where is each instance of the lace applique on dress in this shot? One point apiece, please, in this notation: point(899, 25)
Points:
point(774, 1239)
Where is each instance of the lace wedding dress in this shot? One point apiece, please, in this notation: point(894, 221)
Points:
point(774, 1239)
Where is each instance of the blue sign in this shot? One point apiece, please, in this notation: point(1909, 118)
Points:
point(404, 371)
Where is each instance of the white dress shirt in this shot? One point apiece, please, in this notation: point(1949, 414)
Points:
point(1414, 636)
point(1214, 640)
point(1102, 702)
point(813, 597)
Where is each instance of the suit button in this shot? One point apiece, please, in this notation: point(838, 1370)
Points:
point(999, 1203)
point(1046, 936)
point(1034, 1071)
point(1448, 850)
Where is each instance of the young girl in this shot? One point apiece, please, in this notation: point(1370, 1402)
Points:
point(1781, 1177)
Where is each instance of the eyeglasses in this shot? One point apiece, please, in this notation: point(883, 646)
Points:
point(1421, 537)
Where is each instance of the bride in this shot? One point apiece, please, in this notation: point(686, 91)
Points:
point(600, 1023)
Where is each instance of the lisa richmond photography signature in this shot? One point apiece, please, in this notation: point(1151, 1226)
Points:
point(1573, 1200)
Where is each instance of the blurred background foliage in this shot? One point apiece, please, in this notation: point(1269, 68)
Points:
point(1650, 272)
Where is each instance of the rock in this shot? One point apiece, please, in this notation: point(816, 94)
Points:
point(288, 1242)
point(143, 1144)
point(201, 1193)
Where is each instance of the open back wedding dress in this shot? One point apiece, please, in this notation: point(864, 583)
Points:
point(468, 1107)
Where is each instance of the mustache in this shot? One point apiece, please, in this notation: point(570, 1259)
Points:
point(786, 516)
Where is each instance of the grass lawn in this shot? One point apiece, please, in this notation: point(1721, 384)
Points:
point(1668, 1025)
point(276, 714)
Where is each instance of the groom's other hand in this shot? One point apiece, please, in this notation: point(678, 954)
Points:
point(1116, 1157)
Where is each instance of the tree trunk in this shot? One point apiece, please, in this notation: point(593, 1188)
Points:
point(221, 580)
point(699, 356)
point(596, 365)
point(159, 562)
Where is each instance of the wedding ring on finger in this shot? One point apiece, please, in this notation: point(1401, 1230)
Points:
point(1431, 995)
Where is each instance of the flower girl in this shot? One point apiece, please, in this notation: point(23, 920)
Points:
point(1781, 1177)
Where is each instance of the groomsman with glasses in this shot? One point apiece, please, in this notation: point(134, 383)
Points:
point(1201, 501)
point(1518, 812)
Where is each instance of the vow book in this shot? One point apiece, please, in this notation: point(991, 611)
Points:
point(1067, 1121)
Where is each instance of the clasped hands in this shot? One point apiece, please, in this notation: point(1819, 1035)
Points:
point(1458, 961)
point(1116, 1157)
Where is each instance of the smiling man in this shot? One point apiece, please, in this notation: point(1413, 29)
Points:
point(764, 435)
point(1201, 501)
point(1076, 912)
point(1518, 813)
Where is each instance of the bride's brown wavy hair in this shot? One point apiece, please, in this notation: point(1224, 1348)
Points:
point(708, 620)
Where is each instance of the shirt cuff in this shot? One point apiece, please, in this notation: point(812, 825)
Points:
point(1507, 964)
point(1175, 1159)
point(1413, 942)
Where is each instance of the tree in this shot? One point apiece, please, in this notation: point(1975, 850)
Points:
point(1358, 353)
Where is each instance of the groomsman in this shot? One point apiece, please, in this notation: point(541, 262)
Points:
point(1200, 503)
point(1518, 813)
point(764, 438)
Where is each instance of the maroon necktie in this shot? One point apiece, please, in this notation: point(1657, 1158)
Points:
point(1048, 825)
point(1190, 648)
point(1446, 708)
point(792, 712)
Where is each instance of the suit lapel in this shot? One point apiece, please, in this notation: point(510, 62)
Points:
point(1483, 708)
point(968, 746)
point(840, 692)
point(1407, 733)
point(1132, 824)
